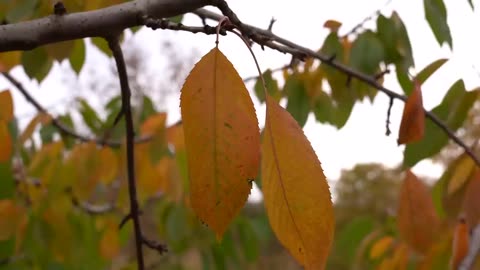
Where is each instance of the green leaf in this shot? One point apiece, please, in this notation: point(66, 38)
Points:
point(349, 238)
point(271, 84)
point(453, 110)
point(248, 240)
point(148, 108)
point(77, 57)
point(47, 132)
point(21, 10)
point(68, 122)
point(36, 63)
point(7, 182)
point(176, 19)
point(366, 53)
point(436, 15)
point(423, 75)
point(324, 108)
point(90, 116)
point(403, 45)
point(102, 45)
point(298, 102)
point(387, 34)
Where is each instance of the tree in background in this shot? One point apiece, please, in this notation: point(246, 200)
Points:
point(69, 194)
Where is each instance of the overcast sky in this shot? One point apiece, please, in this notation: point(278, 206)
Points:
point(363, 138)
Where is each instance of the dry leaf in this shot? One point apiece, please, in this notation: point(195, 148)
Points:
point(222, 140)
point(412, 127)
point(416, 219)
point(110, 243)
point(333, 25)
point(297, 197)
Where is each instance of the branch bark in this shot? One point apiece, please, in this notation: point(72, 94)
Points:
point(97, 23)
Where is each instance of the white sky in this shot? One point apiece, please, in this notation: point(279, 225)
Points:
point(363, 138)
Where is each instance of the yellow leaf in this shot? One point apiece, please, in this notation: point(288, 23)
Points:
point(412, 127)
point(380, 247)
point(154, 124)
point(460, 174)
point(5, 142)
point(416, 218)
point(400, 257)
point(107, 166)
point(297, 197)
point(8, 60)
point(386, 264)
point(222, 140)
point(42, 118)
point(9, 215)
point(175, 136)
point(45, 162)
point(110, 243)
point(6, 106)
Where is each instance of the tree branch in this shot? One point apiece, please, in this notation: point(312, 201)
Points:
point(269, 39)
point(97, 23)
point(114, 45)
point(57, 123)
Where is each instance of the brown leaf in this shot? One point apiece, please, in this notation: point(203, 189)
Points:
point(416, 218)
point(297, 197)
point(460, 244)
point(471, 203)
point(412, 127)
point(5, 142)
point(222, 140)
point(6, 106)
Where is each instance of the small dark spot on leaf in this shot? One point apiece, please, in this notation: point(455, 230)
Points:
point(227, 125)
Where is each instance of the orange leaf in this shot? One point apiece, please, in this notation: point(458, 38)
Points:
point(6, 106)
point(297, 197)
point(400, 257)
point(28, 131)
point(416, 218)
point(222, 140)
point(5, 142)
point(460, 244)
point(333, 25)
point(472, 200)
point(110, 243)
point(154, 124)
point(380, 247)
point(8, 60)
point(412, 126)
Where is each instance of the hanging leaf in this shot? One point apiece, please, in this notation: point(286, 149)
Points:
point(298, 104)
point(77, 57)
point(472, 200)
point(453, 111)
point(412, 127)
point(110, 243)
point(271, 84)
point(423, 75)
point(460, 244)
point(8, 60)
point(461, 174)
point(366, 53)
point(36, 63)
point(6, 106)
point(297, 197)
point(416, 217)
point(436, 15)
point(381, 247)
point(222, 140)
point(42, 118)
point(400, 256)
point(6, 148)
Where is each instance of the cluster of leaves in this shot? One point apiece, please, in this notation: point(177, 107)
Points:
point(56, 193)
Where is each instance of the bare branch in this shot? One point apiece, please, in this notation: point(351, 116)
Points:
point(114, 45)
point(57, 123)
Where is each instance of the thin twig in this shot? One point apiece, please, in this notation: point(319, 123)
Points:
point(114, 45)
point(59, 124)
point(154, 24)
point(389, 111)
point(267, 38)
point(365, 20)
